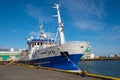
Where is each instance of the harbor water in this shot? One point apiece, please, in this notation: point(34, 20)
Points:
point(103, 67)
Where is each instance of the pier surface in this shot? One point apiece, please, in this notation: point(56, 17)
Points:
point(14, 72)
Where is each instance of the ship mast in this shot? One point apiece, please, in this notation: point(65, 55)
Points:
point(60, 24)
point(42, 34)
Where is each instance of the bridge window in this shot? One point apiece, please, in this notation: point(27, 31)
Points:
point(41, 43)
point(32, 45)
point(38, 43)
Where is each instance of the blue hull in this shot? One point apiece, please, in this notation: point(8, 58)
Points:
point(58, 62)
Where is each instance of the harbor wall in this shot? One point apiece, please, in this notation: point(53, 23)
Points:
point(98, 59)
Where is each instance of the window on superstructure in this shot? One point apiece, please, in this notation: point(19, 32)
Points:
point(32, 45)
point(41, 43)
point(38, 43)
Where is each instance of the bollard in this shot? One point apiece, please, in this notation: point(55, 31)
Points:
point(84, 73)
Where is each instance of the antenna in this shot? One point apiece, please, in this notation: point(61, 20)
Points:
point(42, 34)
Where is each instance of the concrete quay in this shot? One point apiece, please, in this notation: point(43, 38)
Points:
point(15, 72)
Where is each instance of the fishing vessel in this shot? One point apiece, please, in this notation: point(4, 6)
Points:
point(49, 53)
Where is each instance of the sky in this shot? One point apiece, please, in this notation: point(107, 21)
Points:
point(94, 21)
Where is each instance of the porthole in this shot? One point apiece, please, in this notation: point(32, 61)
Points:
point(82, 46)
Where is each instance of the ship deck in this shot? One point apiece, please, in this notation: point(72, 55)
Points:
point(15, 72)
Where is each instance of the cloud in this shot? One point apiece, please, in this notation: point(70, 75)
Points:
point(36, 13)
point(113, 32)
point(86, 8)
point(86, 14)
point(89, 25)
point(50, 35)
point(37, 34)
point(109, 34)
point(33, 33)
point(33, 11)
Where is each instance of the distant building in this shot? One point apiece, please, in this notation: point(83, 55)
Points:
point(117, 55)
point(9, 55)
point(97, 57)
point(12, 49)
point(21, 50)
point(113, 55)
point(88, 53)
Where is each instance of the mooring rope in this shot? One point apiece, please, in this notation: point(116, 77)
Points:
point(71, 61)
point(12, 61)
